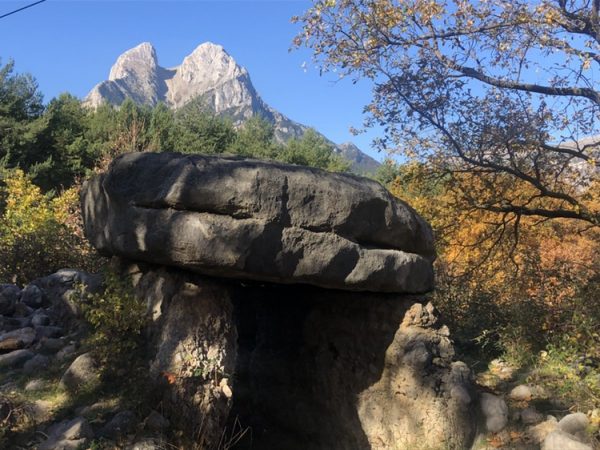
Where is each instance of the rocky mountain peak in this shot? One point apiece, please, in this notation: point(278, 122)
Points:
point(209, 75)
point(206, 69)
point(211, 61)
point(135, 61)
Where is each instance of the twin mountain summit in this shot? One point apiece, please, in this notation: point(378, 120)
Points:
point(210, 74)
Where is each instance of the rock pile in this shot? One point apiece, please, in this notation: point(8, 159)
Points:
point(523, 416)
point(35, 321)
point(42, 330)
point(283, 303)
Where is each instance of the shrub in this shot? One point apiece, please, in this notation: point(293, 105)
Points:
point(39, 234)
point(507, 285)
point(117, 318)
point(570, 374)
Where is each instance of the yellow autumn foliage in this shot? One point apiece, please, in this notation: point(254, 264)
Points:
point(506, 278)
point(39, 234)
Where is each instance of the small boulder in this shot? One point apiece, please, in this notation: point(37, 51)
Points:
point(147, 444)
point(66, 352)
point(538, 433)
point(60, 287)
point(9, 295)
point(32, 296)
point(36, 364)
point(10, 344)
point(51, 346)
point(495, 410)
point(82, 372)
point(10, 323)
point(40, 319)
point(559, 440)
point(155, 422)
point(574, 423)
point(35, 385)
point(22, 310)
point(24, 322)
point(39, 410)
point(520, 393)
point(121, 424)
point(68, 434)
point(530, 416)
point(25, 335)
point(100, 408)
point(48, 332)
point(15, 359)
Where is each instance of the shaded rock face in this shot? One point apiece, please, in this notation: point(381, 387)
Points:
point(283, 303)
point(301, 367)
point(333, 370)
point(258, 220)
point(195, 348)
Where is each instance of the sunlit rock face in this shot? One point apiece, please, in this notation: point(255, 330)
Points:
point(208, 69)
point(284, 300)
point(210, 76)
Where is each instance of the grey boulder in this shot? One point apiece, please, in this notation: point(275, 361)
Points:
point(560, 440)
point(248, 219)
point(495, 410)
point(36, 364)
point(60, 290)
point(148, 444)
point(51, 346)
point(15, 358)
point(67, 435)
point(48, 332)
point(9, 295)
point(155, 421)
point(36, 384)
point(82, 372)
point(121, 424)
point(531, 416)
point(22, 310)
point(32, 296)
point(574, 423)
point(40, 320)
point(20, 338)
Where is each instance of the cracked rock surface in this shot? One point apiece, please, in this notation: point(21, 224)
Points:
point(266, 221)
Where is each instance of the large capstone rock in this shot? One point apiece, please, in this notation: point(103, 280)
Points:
point(247, 219)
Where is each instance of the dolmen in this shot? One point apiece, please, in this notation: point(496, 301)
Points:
point(286, 304)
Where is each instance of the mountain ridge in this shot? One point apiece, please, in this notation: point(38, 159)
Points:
point(208, 72)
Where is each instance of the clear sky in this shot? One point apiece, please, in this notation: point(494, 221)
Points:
point(70, 45)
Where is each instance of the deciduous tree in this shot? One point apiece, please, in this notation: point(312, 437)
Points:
point(507, 91)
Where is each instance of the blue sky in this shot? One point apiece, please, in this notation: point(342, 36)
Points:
point(71, 45)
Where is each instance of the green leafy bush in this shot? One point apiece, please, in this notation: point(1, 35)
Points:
point(117, 318)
